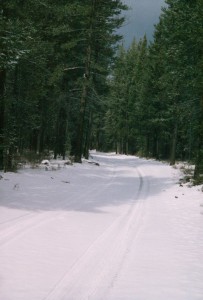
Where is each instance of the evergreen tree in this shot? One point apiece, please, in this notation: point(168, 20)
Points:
point(178, 37)
point(102, 19)
point(55, 58)
point(163, 88)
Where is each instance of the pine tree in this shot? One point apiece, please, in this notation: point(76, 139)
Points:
point(176, 56)
point(102, 19)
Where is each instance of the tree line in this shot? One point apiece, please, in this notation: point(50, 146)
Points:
point(66, 86)
point(155, 106)
point(54, 62)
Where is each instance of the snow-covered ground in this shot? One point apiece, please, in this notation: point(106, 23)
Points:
point(122, 230)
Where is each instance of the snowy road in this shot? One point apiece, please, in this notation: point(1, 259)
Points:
point(122, 230)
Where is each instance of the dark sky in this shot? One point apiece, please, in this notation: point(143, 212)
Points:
point(140, 19)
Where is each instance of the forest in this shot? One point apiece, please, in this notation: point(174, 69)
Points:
point(68, 84)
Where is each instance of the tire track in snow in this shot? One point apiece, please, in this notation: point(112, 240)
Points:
point(24, 223)
point(15, 219)
point(96, 271)
point(133, 225)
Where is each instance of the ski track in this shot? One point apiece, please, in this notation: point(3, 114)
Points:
point(113, 245)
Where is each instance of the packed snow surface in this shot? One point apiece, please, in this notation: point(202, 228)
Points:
point(125, 229)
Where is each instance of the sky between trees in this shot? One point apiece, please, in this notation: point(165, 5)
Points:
point(140, 19)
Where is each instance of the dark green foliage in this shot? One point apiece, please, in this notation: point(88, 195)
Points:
point(64, 90)
point(178, 46)
point(46, 48)
point(159, 88)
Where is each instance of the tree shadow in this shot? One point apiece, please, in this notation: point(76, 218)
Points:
point(117, 181)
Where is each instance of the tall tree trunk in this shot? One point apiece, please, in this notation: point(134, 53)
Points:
point(2, 110)
point(155, 147)
point(173, 146)
point(88, 136)
point(80, 131)
point(61, 133)
point(84, 97)
point(127, 147)
point(10, 144)
point(198, 174)
point(147, 146)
